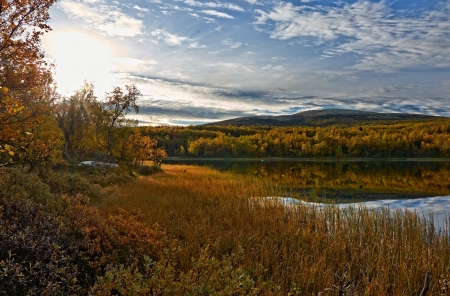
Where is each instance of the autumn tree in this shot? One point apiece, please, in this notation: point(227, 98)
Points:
point(142, 147)
point(118, 104)
point(75, 119)
point(158, 155)
point(26, 84)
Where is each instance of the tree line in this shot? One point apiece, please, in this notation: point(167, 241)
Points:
point(406, 139)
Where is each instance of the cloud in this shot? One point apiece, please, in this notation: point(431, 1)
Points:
point(206, 19)
point(217, 13)
point(124, 64)
point(195, 45)
point(105, 18)
point(231, 43)
point(229, 6)
point(180, 102)
point(140, 8)
point(384, 40)
point(175, 7)
point(271, 67)
point(168, 38)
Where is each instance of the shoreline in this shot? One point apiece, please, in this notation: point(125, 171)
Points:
point(309, 159)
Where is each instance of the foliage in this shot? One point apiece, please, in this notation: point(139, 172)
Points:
point(158, 155)
point(26, 86)
point(146, 170)
point(116, 107)
point(72, 184)
point(120, 238)
point(75, 117)
point(406, 139)
point(35, 256)
point(55, 246)
point(208, 276)
point(16, 183)
point(101, 130)
point(142, 147)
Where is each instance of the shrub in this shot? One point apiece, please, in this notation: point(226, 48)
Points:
point(35, 259)
point(146, 170)
point(71, 184)
point(104, 240)
point(15, 182)
point(208, 276)
point(111, 177)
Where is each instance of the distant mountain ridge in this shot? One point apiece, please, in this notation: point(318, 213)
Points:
point(323, 118)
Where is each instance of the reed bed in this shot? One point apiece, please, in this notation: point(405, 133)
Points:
point(297, 251)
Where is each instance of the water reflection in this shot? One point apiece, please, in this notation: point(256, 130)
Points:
point(437, 207)
point(347, 181)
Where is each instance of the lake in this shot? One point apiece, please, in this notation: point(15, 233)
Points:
point(422, 185)
point(344, 180)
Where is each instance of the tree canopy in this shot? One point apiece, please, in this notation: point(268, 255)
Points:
point(26, 85)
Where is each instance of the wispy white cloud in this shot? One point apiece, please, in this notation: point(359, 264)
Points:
point(217, 13)
point(231, 43)
point(272, 67)
point(196, 45)
point(168, 38)
point(173, 101)
point(384, 40)
point(206, 19)
point(175, 7)
point(230, 6)
point(143, 9)
point(104, 18)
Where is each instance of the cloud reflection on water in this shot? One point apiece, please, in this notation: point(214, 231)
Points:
point(437, 207)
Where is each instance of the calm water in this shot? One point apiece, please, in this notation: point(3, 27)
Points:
point(421, 186)
point(345, 181)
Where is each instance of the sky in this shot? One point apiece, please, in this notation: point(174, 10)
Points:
point(201, 61)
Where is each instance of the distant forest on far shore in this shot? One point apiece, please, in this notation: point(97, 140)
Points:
point(403, 139)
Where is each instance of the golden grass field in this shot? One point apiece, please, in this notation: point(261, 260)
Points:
point(302, 251)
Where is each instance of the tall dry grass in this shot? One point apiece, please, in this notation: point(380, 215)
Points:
point(301, 250)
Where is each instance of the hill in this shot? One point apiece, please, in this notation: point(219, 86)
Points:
point(324, 118)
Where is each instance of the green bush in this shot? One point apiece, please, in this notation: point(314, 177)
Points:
point(71, 184)
point(208, 276)
point(17, 183)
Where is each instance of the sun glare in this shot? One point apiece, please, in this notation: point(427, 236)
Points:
point(79, 57)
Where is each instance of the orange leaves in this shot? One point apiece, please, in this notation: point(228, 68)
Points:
point(11, 106)
point(142, 147)
point(8, 149)
point(120, 238)
point(26, 88)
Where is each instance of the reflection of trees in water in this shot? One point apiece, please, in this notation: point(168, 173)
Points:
point(374, 176)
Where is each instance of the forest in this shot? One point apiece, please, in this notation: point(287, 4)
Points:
point(405, 139)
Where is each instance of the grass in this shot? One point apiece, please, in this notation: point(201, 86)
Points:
point(304, 251)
